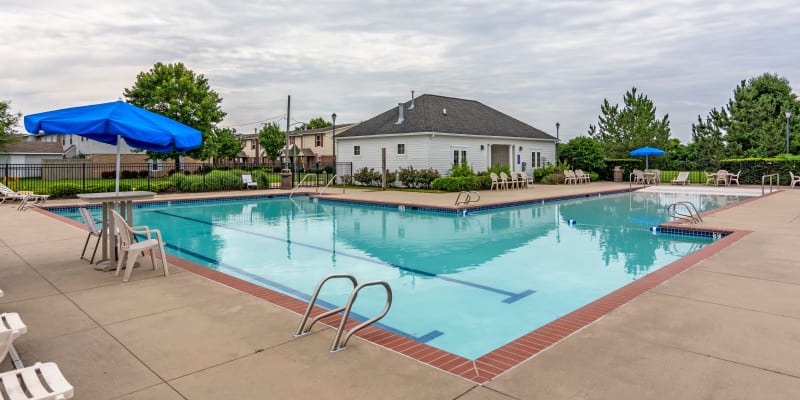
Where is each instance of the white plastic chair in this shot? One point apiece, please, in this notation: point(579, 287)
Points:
point(514, 182)
point(495, 181)
point(681, 179)
point(248, 183)
point(795, 179)
point(11, 327)
point(734, 178)
point(41, 381)
point(504, 180)
point(131, 248)
point(91, 226)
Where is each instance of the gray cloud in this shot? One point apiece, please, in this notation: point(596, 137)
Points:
point(541, 62)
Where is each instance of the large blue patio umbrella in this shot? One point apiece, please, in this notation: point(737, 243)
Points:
point(647, 152)
point(108, 122)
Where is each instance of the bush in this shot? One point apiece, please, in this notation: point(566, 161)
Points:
point(126, 174)
point(553, 179)
point(583, 153)
point(367, 177)
point(462, 170)
point(64, 190)
point(108, 174)
point(540, 173)
point(144, 173)
point(459, 183)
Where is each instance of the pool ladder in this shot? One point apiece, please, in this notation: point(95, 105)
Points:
point(339, 344)
point(468, 197)
point(688, 212)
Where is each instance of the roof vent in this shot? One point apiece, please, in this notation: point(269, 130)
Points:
point(400, 111)
point(412, 101)
point(444, 111)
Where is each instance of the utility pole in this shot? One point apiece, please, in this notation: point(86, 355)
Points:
point(288, 109)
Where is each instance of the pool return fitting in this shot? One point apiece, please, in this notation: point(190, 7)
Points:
point(339, 344)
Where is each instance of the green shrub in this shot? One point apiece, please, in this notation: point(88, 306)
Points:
point(459, 183)
point(367, 177)
point(540, 173)
point(64, 190)
point(462, 170)
point(553, 179)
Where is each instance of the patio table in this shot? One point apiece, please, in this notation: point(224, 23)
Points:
point(122, 201)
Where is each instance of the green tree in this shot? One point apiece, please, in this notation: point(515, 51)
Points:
point(227, 145)
point(176, 92)
point(622, 129)
point(753, 123)
point(315, 123)
point(8, 124)
point(583, 153)
point(272, 140)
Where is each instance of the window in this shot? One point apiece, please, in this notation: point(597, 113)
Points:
point(253, 144)
point(536, 159)
point(401, 148)
point(356, 150)
point(156, 165)
point(291, 140)
point(459, 157)
point(319, 140)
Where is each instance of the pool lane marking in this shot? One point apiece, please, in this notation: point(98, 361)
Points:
point(511, 297)
point(249, 275)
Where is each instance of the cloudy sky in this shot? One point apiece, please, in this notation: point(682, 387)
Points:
point(539, 61)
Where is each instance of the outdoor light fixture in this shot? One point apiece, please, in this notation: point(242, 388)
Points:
point(481, 147)
point(788, 115)
point(333, 117)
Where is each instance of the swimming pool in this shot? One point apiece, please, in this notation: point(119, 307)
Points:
point(464, 284)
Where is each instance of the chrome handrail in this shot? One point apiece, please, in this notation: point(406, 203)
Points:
point(301, 182)
point(468, 197)
point(329, 183)
point(302, 330)
point(777, 182)
point(337, 346)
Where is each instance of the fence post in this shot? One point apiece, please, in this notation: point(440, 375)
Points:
point(83, 177)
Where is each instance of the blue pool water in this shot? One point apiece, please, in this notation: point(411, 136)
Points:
point(465, 284)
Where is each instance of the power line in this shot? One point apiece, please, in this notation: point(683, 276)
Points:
point(257, 122)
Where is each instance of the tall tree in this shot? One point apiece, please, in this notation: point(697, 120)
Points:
point(8, 124)
point(315, 123)
point(176, 92)
point(272, 140)
point(753, 123)
point(622, 129)
point(227, 145)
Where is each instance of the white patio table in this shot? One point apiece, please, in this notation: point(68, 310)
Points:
point(121, 201)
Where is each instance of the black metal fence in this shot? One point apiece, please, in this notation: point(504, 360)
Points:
point(70, 177)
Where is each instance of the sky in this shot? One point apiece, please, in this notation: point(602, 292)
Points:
point(541, 62)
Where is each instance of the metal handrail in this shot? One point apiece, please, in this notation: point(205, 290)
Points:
point(468, 197)
point(329, 183)
point(337, 346)
point(302, 330)
point(301, 182)
point(691, 212)
point(777, 182)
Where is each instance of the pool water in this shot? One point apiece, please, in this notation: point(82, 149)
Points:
point(466, 284)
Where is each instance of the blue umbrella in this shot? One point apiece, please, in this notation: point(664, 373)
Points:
point(108, 122)
point(646, 152)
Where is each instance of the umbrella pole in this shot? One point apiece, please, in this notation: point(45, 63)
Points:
point(646, 162)
point(116, 181)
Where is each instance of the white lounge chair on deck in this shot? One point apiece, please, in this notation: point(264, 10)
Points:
point(681, 179)
point(131, 248)
point(41, 381)
point(248, 183)
point(11, 327)
point(25, 197)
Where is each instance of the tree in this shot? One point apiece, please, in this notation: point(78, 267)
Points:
point(620, 130)
point(272, 140)
point(315, 123)
point(8, 124)
point(583, 153)
point(227, 145)
point(753, 123)
point(174, 91)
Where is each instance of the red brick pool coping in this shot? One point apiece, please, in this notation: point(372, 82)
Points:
point(504, 358)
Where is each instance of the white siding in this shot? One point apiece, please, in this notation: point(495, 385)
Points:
point(435, 150)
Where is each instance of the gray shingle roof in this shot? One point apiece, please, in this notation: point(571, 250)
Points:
point(465, 117)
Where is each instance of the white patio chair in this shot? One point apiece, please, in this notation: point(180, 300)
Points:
point(41, 381)
point(129, 248)
point(513, 181)
point(495, 181)
point(504, 180)
point(795, 179)
point(91, 226)
point(711, 178)
point(734, 178)
point(524, 180)
point(582, 177)
point(570, 177)
point(721, 176)
point(248, 183)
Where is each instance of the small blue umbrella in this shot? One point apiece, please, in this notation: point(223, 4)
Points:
point(646, 152)
point(108, 122)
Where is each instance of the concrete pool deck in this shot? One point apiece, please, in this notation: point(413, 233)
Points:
point(728, 327)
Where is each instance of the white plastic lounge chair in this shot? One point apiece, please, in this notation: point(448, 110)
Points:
point(734, 178)
point(495, 181)
point(795, 179)
point(131, 248)
point(25, 197)
point(11, 327)
point(91, 226)
point(248, 183)
point(41, 381)
point(504, 180)
point(681, 179)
